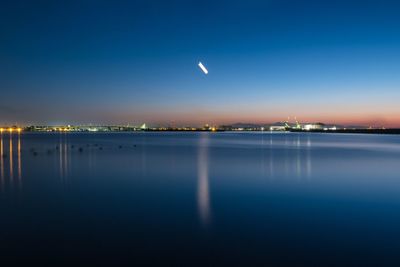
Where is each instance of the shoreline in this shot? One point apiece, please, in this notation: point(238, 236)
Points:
point(394, 131)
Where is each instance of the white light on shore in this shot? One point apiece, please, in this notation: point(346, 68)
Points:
point(203, 68)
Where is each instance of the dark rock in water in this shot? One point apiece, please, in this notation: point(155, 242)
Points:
point(57, 148)
point(72, 146)
point(96, 144)
point(49, 151)
point(134, 145)
point(120, 147)
point(101, 148)
point(35, 153)
point(80, 149)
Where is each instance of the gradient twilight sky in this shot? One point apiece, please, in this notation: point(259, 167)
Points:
point(136, 61)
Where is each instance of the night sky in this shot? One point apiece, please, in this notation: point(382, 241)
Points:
point(136, 61)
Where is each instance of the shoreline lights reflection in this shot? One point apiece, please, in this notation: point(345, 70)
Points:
point(7, 169)
point(63, 156)
point(203, 191)
point(1, 161)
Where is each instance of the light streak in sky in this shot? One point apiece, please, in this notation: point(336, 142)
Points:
point(204, 69)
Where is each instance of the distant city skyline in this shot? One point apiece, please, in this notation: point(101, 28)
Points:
point(118, 62)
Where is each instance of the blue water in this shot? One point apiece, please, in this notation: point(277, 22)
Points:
point(200, 199)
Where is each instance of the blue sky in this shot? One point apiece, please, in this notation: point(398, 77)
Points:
point(136, 61)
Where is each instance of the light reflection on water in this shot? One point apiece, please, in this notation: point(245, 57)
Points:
point(8, 166)
point(203, 191)
point(297, 159)
point(11, 159)
point(63, 156)
point(1, 162)
point(19, 160)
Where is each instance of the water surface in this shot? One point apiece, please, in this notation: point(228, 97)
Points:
point(188, 199)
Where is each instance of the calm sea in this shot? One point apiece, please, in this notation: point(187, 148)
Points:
point(200, 199)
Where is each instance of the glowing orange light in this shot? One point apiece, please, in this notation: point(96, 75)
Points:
point(10, 129)
point(19, 130)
